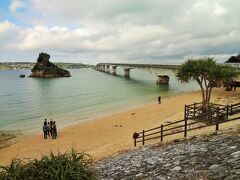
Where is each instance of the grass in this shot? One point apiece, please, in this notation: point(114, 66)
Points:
point(69, 165)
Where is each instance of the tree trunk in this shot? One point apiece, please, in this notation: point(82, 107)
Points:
point(204, 102)
point(209, 94)
point(204, 94)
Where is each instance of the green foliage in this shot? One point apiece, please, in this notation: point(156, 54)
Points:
point(207, 73)
point(70, 165)
point(200, 69)
point(224, 73)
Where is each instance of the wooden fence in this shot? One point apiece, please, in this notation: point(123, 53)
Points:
point(195, 109)
point(194, 119)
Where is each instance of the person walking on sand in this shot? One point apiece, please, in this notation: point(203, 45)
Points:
point(45, 130)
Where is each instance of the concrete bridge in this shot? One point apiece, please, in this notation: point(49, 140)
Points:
point(154, 68)
point(161, 79)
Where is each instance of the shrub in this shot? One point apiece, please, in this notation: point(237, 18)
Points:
point(69, 165)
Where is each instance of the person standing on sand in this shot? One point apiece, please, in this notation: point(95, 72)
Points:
point(51, 126)
point(45, 122)
point(45, 130)
point(54, 130)
point(48, 129)
point(159, 99)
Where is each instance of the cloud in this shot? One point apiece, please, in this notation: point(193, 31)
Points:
point(123, 30)
point(15, 4)
point(8, 34)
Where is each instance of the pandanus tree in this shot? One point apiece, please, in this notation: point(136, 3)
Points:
point(207, 74)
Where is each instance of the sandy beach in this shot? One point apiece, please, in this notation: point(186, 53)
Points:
point(110, 135)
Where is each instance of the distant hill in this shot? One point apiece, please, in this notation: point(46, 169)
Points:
point(29, 65)
point(234, 59)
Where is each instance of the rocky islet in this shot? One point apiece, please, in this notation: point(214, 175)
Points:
point(46, 69)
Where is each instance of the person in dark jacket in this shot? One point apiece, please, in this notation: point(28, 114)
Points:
point(51, 125)
point(48, 129)
point(45, 130)
point(45, 122)
point(54, 130)
point(159, 99)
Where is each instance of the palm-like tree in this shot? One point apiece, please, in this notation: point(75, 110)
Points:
point(207, 73)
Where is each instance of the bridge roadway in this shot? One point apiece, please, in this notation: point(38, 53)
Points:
point(157, 66)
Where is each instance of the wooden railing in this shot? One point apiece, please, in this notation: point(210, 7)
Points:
point(196, 109)
point(192, 121)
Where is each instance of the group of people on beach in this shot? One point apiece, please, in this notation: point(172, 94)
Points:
point(49, 129)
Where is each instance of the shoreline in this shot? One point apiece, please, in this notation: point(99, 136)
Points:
point(112, 113)
point(104, 114)
point(108, 135)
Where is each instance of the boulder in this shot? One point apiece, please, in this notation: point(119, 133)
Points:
point(46, 69)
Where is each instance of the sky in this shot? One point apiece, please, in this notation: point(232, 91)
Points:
point(129, 31)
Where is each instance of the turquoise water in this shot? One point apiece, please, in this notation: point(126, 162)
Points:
point(25, 102)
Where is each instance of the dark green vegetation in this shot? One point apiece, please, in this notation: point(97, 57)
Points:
point(208, 75)
point(5, 138)
point(70, 165)
point(73, 65)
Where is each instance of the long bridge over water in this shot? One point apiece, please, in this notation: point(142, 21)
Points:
point(161, 78)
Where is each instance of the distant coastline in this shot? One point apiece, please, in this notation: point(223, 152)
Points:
point(29, 65)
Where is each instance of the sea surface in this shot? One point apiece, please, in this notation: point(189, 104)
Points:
point(26, 102)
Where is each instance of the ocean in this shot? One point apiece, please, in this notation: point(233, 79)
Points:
point(26, 102)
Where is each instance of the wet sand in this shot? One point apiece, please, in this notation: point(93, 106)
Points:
point(110, 135)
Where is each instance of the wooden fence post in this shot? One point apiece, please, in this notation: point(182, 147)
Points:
point(194, 110)
point(217, 120)
point(161, 132)
point(227, 111)
point(185, 123)
point(185, 111)
point(143, 138)
point(185, 127)
point(231, 110)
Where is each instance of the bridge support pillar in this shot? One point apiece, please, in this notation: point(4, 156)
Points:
point(107, 69)
point(127, 72)
point(102, 68)
point(114, 68)
point(162, 79)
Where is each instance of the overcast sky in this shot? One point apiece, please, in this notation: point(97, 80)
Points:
point(92, 31)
